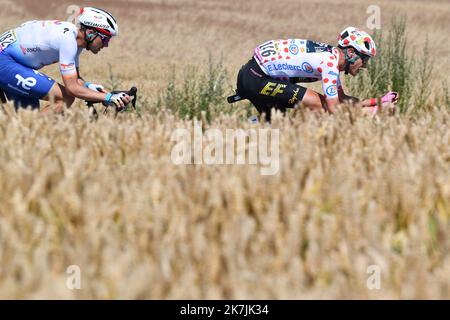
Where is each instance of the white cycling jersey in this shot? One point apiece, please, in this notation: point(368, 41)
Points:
point(43, 42)
point(300, 58)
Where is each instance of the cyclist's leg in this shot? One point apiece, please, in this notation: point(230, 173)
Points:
point(21, 84)
point(262, 106)
point(58, 98)
point(21, 101)
point(266, 108)
point(314, 101)
point(265, 92)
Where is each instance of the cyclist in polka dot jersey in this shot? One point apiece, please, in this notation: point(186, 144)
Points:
point(269, 79)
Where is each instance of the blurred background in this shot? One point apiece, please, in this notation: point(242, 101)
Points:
point(156, 35)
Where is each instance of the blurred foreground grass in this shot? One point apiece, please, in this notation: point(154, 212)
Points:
point(351, 192)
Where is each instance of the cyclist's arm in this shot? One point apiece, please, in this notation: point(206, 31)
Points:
point(361, 103)
point(80, 78)
point(343, 97)
point(68, 63)
point(331, 104)
point(74, 88)
point(332, 85)
point(330, 80)
point(331, 94)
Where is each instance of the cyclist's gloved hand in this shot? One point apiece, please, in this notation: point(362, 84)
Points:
point(120, 100)
point(94, 86)
point(389, 102)
point(390, 97)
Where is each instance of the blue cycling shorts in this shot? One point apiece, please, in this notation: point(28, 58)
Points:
point(21, 84)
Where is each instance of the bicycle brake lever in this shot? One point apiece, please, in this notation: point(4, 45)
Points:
point(132, 93)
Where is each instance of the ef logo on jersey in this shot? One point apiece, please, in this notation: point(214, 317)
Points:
point(25, 83)
point(272, 89)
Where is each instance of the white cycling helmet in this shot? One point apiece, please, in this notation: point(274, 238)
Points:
point(100, 20)
point(358, 39)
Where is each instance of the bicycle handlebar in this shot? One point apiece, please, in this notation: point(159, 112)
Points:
point(132, 93)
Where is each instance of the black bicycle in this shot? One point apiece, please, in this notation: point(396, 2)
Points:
point(90, 104)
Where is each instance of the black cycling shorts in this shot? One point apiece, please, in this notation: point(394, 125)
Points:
point(265, 92)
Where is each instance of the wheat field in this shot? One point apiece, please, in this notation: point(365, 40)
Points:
point(352, 191)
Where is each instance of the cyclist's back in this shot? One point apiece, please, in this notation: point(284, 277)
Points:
point(41, 43)
point(295, 58)
point(269, 79)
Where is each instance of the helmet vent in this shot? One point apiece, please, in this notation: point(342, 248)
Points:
point(110, 23)
point(344, 35)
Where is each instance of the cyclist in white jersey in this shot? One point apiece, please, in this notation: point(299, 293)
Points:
point(36, 44)
point(269, 79)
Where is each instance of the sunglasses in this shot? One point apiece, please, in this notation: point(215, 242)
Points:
point(105, 39)
point(363, 57)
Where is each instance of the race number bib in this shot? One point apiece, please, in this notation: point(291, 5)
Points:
point(267, 50)
point(9, 37)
